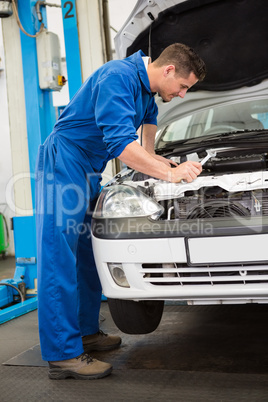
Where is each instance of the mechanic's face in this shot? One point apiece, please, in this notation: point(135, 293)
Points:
point(173, 85)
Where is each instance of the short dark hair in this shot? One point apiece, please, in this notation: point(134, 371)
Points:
point(185, 60)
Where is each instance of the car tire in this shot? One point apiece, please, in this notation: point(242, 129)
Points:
point(133, 317)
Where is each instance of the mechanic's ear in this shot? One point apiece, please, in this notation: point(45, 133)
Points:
point(168, 69)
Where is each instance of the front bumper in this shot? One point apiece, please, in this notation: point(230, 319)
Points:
point(222, 269)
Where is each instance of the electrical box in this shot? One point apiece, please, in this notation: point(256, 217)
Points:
point(49, 61)
point(5, 8)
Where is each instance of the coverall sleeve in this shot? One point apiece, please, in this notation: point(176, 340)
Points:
point(152, 112)
point(114, 101)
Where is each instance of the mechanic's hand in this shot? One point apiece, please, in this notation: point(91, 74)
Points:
point(187, 171)
point(166, 161)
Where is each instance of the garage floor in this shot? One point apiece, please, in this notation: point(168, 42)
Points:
point(208, 353)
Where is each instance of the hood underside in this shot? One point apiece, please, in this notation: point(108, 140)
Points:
point(231, 36)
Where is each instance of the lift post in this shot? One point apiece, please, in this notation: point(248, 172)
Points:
point(32, 117)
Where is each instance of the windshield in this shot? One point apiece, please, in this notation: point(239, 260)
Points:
point(251, 115)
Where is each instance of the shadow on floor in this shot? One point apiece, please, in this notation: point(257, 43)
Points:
point(226, 339)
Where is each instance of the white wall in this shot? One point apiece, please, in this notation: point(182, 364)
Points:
point(5, 154)
point(119, 10)
point(5, 151)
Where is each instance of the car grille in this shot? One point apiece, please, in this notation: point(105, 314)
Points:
point(182, 274)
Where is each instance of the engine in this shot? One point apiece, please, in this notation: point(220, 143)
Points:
point(231, 184)
point(215, 202)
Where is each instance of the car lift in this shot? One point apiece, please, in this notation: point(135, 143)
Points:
point(19, 294)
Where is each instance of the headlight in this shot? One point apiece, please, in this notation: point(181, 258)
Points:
point(120, 201)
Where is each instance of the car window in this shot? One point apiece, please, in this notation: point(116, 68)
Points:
point(262, 117)
point(239, 116)
point(209, 119)
point(177, 130)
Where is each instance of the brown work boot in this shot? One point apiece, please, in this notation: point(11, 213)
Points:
point(82, 367)
point(100, 341)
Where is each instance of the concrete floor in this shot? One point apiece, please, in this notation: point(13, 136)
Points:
point(7, 267)
point(208, 353)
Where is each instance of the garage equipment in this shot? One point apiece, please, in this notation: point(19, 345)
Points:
point(19, 294)
point(4, 238)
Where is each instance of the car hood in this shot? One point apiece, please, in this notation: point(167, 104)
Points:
point(231, 36)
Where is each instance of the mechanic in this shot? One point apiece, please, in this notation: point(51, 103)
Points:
point(99, 123)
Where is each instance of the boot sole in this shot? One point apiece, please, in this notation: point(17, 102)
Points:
point(100, 348)
point(59, 374)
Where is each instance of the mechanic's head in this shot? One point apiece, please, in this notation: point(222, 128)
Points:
point(176, 70)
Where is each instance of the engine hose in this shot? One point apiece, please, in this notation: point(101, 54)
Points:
point(14, 287)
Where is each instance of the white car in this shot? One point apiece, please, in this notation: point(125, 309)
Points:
point(204, 242)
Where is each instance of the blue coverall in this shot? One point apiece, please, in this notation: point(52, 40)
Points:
point(96, 126)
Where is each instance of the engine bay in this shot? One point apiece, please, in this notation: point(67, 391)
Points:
point(234, 182)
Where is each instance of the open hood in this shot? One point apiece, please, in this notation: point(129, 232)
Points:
point(231, 36)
